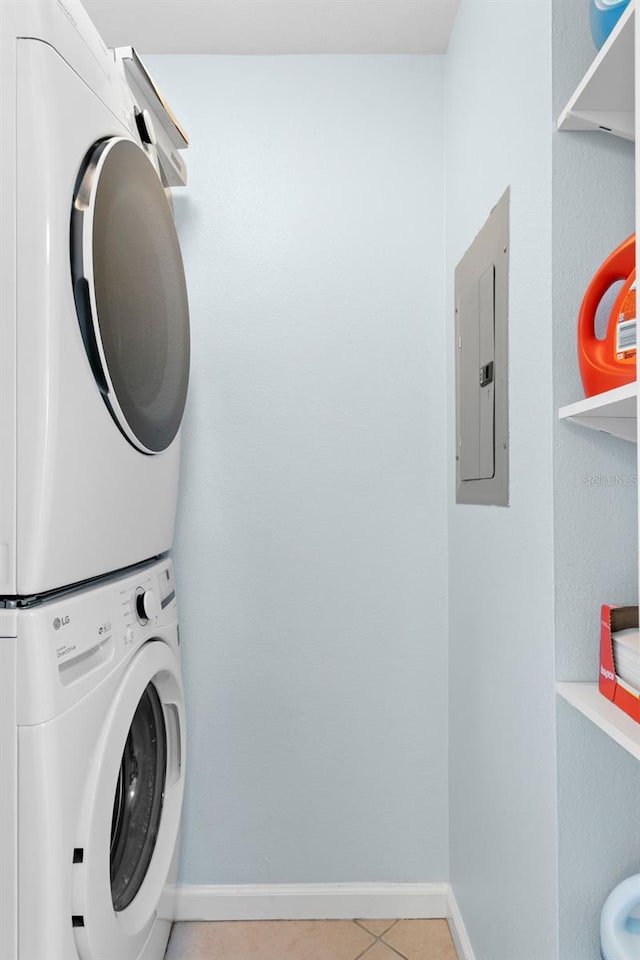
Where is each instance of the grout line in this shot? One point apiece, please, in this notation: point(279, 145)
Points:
point(395, 950)
point(370, 945)
point(390, 946)
point(376, 935)
point(379, 939)
point(362, 927)
point(360, 955)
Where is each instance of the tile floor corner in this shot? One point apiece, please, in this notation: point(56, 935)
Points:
point(312, 940)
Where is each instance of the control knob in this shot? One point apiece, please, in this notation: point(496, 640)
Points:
point(147, 607)
point(145, 127)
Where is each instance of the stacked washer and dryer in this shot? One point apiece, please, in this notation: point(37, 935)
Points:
point(94, 364)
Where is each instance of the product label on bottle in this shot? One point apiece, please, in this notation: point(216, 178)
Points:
point(626, 338)
point(626, 326)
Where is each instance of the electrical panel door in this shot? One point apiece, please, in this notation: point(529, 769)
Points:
point(481, 302)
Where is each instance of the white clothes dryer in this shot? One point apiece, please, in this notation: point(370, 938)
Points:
point(94, 326)
point(93, 748)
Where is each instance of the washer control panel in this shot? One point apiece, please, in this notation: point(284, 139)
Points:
point(145, 601)
point(68, 643)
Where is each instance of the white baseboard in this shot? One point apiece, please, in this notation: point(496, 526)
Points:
point(458, 930)
point(325, 901)
point(313, 901)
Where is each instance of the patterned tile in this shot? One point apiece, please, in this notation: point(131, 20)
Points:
point(269, 940)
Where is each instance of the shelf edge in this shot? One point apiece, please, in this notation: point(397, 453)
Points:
point(587, 700)
point(600, 402)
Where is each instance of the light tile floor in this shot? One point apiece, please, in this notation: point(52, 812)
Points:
point(312, 940)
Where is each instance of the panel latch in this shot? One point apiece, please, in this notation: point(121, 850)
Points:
point(486, 374)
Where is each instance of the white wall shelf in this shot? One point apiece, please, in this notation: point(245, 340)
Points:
point(604, 100)
point(612, 412)
point(586, 698)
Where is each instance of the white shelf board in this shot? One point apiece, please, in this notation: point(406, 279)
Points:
point(586, 698)
point(612, 412)
point(605, 99)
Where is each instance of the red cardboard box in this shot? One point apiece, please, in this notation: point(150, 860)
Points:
point(610, 685)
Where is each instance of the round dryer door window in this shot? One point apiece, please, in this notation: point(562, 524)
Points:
point(130, 292)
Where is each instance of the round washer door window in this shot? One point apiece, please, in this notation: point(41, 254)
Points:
point(137, 807)
point(130, 292)
point(129, 820)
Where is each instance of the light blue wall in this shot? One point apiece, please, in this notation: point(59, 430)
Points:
point(595, 522)
point(599, 840)
point(502, 735)
point(312, 549)
point(311, 538)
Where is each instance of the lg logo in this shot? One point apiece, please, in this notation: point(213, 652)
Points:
point(60, 622)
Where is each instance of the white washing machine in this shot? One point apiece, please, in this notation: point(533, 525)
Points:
point(94, 327)
point(93, 750)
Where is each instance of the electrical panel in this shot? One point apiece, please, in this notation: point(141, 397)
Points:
point(482, 421)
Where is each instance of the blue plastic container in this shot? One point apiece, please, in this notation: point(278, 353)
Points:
point(619, 931)
point(604, 14)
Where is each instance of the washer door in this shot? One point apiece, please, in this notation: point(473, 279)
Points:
point(130, 292)
point(130, 824)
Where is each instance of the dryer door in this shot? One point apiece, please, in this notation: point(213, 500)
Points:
point(130, 292)
point(129, 829)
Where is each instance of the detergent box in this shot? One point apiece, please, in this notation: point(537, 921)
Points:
point(620, 658)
